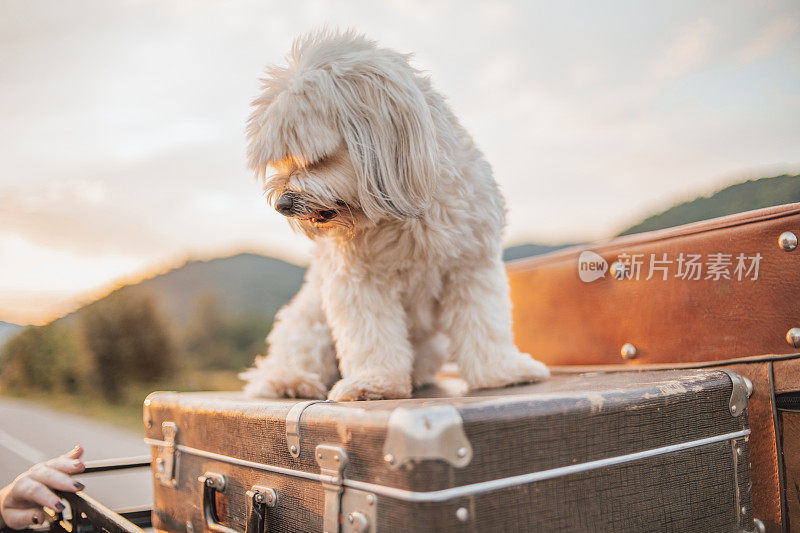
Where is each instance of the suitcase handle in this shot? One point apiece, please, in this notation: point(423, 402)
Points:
point(258, 500)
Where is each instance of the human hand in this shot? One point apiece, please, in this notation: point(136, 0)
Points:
point(21, 502)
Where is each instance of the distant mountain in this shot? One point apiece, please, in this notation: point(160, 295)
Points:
point(243, 285)
point(7, 330)
point(528, 250)
point(745, 196)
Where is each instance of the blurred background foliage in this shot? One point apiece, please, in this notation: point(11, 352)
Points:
point(193, 328)
point(197, 326)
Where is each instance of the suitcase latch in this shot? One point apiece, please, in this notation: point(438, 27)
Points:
point(331, 460)
point(258, 500)
point(167, 459)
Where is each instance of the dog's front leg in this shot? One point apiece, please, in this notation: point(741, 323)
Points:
point(369, 326)
point(476, 315)
point(301, 362)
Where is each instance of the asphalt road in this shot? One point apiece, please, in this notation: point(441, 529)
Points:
point(30, 434)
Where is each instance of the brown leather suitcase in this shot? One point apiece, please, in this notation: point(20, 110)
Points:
point(652, 451)
point(723, 293)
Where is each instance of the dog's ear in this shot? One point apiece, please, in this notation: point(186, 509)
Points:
point(389, 131)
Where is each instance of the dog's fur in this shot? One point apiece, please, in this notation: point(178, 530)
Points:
point(407, 218)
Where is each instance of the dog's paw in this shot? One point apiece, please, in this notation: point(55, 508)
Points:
point(513, 368)
point(532, 370)
point(370, 387)
point(277, 382)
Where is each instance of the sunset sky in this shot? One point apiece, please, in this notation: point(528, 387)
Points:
point(121, 123)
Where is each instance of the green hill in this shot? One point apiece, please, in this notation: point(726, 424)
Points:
point(522, 251)
point(745, 196)
point(242, 285)
point(7, 330)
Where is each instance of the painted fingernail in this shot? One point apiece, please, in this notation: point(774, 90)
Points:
point(35, 519)
point(79, 485)
point(59, 507)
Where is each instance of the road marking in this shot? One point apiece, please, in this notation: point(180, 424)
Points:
point(17, 447)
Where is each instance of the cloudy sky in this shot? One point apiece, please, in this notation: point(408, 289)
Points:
point(121, 123)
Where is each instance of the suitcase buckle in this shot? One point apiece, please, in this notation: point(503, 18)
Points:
point(165, 470)
point(331, 460)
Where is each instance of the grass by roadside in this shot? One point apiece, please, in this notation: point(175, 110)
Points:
point(127, 413)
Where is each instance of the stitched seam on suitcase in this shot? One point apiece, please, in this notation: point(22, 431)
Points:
point(471, 489)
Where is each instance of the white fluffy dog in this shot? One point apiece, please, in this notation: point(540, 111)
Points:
point(370, 162)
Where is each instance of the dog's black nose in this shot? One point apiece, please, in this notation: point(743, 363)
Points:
point(285, 204)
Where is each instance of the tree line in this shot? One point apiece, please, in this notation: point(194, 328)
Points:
point(125, 341)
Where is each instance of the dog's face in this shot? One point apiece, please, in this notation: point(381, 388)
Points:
point(317, 197)
point(348, 135)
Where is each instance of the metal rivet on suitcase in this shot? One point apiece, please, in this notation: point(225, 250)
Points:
point(358, 521)
point(462, 514)
point(628, 351)
point(793, 337)
point(787, 241)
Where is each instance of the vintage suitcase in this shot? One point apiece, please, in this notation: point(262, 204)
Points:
point(650, 451)
point(722, 293)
